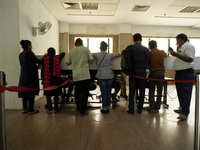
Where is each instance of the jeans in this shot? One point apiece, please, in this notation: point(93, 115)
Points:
point(152, 84)
point(184, 89)
point(81, 95)
point(106, 87)
point(141, 85)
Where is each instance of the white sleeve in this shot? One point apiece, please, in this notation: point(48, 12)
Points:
point(190, 51)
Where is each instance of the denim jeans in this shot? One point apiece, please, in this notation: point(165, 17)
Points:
point(184, 89)
point(152, 84)
point(106, 87)
point(141, 85)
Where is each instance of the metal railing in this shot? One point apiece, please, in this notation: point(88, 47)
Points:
point(2, 115)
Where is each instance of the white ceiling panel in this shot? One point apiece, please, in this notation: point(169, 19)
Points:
point(109, 1)
point(171, 10)
point(162, 12)
point(89, 1)
point(107, 13)
point(108, 6)
point(183, 2)
point(68, 1)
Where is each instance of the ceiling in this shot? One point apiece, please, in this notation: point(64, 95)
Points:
point(136, 12)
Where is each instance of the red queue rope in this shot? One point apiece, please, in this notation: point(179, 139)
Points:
point(163, 79)
point(3, 88)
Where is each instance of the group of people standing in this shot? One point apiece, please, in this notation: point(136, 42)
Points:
point(154, 59)
point(80, 57)
point(50, 73)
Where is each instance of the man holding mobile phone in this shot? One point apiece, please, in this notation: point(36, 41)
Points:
point(183, 65)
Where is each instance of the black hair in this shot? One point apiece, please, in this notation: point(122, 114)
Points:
point(79, 42)
point(137, 37)
point(51, 51)
point(152, 44)
point(103, 45)
point(25, 44)
point(182, 36)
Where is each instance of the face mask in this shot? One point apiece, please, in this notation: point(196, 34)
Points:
point(177, 44)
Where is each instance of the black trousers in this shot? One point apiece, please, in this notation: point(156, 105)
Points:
point(81, 95)
point(49, 102)
point(30, 101)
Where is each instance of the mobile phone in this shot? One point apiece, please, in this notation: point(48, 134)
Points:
point(170, 49)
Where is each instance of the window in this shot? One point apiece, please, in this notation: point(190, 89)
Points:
point(196, 44)
point(172, 43)
point(93, 43)
point(162, 43)
point(145, 42)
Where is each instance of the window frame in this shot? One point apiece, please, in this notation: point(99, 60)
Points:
point(115, 38)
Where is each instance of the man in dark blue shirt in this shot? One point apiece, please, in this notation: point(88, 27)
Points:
point(141, 56)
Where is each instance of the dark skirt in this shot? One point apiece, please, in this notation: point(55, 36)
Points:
point(58, 91)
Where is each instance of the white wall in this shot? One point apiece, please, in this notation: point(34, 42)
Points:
point(30, 13)
point(9, 47)
point(100, 29)
point(17, 19)
point(115, 29)
point(160, 31)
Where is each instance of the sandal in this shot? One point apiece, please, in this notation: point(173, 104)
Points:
point(182, 117)
point(49, 112)
point(178, 111)
point(56, 111)
point(24, 111)
point(33, 112)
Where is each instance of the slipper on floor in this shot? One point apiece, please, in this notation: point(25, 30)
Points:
point(24, 111)
point(33, 112)
point(182, 117)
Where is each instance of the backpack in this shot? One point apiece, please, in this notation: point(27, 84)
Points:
point(127, 61)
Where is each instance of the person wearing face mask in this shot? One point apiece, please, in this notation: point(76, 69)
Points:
point(183, 65)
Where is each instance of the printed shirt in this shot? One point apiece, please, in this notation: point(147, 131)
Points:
point(188, 50)
point(105, 68)
point(157, 60)
point(79, 57)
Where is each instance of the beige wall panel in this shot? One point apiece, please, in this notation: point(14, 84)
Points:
point(64, 42)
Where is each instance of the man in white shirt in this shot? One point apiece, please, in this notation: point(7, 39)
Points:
point(183, 65)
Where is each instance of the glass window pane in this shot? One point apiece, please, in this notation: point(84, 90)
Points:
point(110, 45)
point(94, 44)
point(196, 44)
point(84, 39)
point(172, 44)
point(145, 42)
point(162, 43)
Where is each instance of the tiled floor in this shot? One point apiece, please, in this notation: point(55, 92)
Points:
point(117, 130)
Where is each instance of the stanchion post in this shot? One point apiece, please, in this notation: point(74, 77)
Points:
point(2, 115)
point(197, 120)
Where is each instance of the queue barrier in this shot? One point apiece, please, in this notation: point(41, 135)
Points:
point(3, 88)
